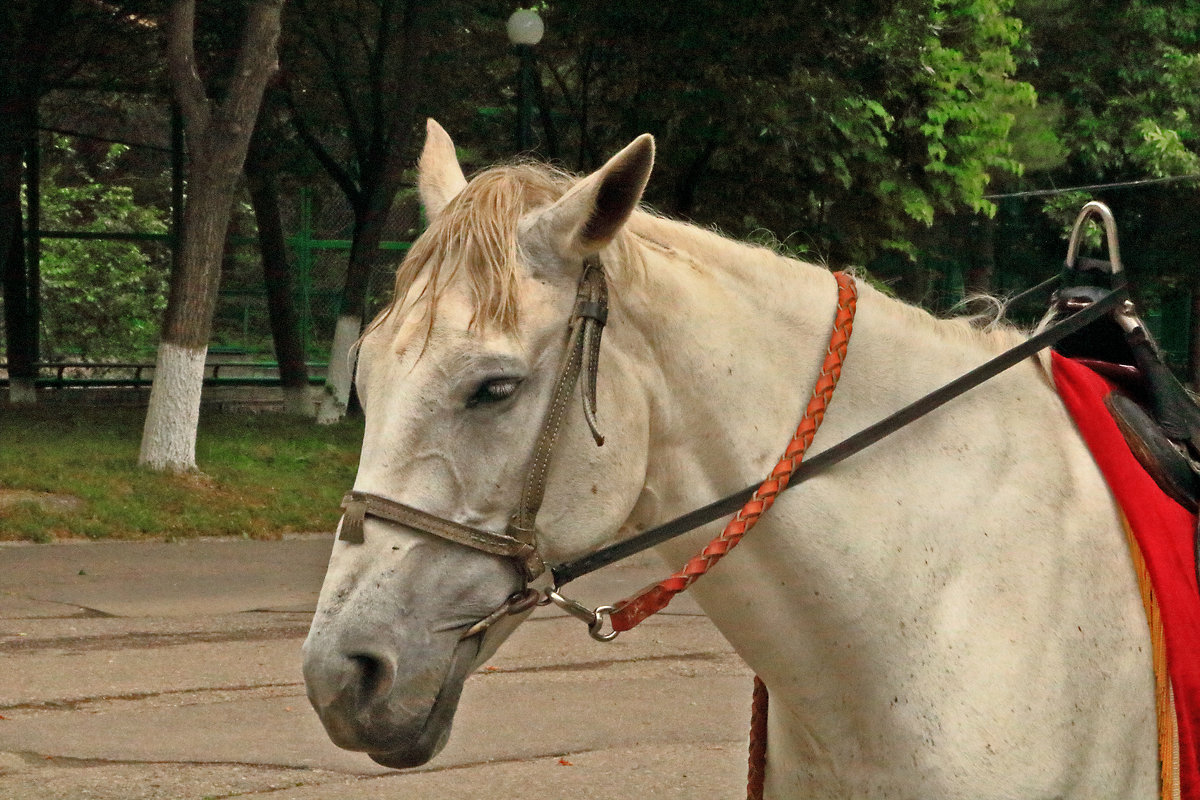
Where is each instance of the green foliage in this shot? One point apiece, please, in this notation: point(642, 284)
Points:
point(1124, 76)
point(966, 63)
point(101, 298)
point(1128, 77)
point(1034, 137)
point(1064, 208)
point(847, 126)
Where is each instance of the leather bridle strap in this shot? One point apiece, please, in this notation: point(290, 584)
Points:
point(519, 541)
point(583, 350)
point(359, 505)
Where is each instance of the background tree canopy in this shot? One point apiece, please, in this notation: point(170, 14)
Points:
point(900, 135)
point(89, 280)
point(838, 127)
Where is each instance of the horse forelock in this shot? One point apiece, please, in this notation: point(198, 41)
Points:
point(474, 240)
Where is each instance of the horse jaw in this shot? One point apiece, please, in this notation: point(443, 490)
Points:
point(384, 664)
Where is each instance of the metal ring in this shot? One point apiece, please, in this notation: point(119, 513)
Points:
point(597, 625)
point(517, 603)
point(593, 618)
point(524, 600)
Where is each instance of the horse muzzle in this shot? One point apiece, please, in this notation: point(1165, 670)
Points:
point(368, 703)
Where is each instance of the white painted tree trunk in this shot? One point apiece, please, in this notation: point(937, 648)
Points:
point(298, 401)
point(336, 396)
point(21, 391)
point(169, 436)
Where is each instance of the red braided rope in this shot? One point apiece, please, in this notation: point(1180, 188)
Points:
point(631, 611)
point(757, 773)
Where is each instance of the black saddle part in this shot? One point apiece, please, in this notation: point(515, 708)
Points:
point(1103, 341)
point(1157, 416)
point(1166, 462)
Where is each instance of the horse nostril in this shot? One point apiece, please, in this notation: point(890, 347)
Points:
point(375, 674)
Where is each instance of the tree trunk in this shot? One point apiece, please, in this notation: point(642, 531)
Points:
point(218, 136)
point(18, 309)
point(368, 233)
point(277, 278)
point(981, 275)
point(379, 117)
point(169, 436)
point(689, 180)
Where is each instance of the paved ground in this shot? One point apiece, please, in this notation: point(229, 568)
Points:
point(131, 671)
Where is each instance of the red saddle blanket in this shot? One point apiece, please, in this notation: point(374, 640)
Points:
point(1164, 531)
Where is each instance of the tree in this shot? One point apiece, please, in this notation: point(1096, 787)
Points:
point(22, 82)
point(371, 60)
point(217, 135)
point(263, 182)
point(103, 298)
point(1124, 81)
point(845, 128)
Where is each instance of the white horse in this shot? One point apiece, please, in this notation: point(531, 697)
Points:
point(951, 614)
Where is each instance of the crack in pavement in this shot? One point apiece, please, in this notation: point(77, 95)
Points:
point(77, 703)
point(145, 640)
point(85, 612)
point(10, 643)
point(35, 759)
point(433, 770)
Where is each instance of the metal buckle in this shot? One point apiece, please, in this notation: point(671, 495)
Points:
point(593, 617)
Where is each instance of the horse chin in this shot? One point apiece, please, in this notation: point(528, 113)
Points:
point(435, 731)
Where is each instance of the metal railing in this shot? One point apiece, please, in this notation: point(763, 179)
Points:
point(138, 374)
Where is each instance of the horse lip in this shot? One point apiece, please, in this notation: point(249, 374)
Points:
point(435, 731)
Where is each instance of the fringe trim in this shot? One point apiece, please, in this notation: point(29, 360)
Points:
point(1164, 697)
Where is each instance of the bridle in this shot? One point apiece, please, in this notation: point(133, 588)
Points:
point(519, 542)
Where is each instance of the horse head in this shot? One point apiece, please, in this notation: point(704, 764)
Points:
point(455, 379)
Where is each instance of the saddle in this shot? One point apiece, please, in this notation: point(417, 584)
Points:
point(1158, 417)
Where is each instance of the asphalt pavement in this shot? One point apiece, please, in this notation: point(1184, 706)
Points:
point(171, 671)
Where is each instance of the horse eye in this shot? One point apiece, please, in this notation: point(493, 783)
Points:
point(495, 390)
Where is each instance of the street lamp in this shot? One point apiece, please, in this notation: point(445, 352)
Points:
point(525, 29)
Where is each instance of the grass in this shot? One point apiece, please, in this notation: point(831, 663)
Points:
point(261, 475)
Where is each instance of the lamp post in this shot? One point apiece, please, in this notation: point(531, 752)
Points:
point(525, 29)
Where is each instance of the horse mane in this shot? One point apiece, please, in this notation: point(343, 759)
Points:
point(986, 328)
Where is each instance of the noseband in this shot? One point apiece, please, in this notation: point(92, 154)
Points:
point(520, 540)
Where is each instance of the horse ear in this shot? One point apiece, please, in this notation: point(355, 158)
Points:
point(591, 213)
point(439, 177)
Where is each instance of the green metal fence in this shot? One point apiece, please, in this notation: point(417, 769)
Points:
point(241, 351)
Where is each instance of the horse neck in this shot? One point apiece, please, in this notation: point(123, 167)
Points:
point(734, 337)
point(882, 594)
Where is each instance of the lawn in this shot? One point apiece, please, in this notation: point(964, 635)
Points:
point(261, 475)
